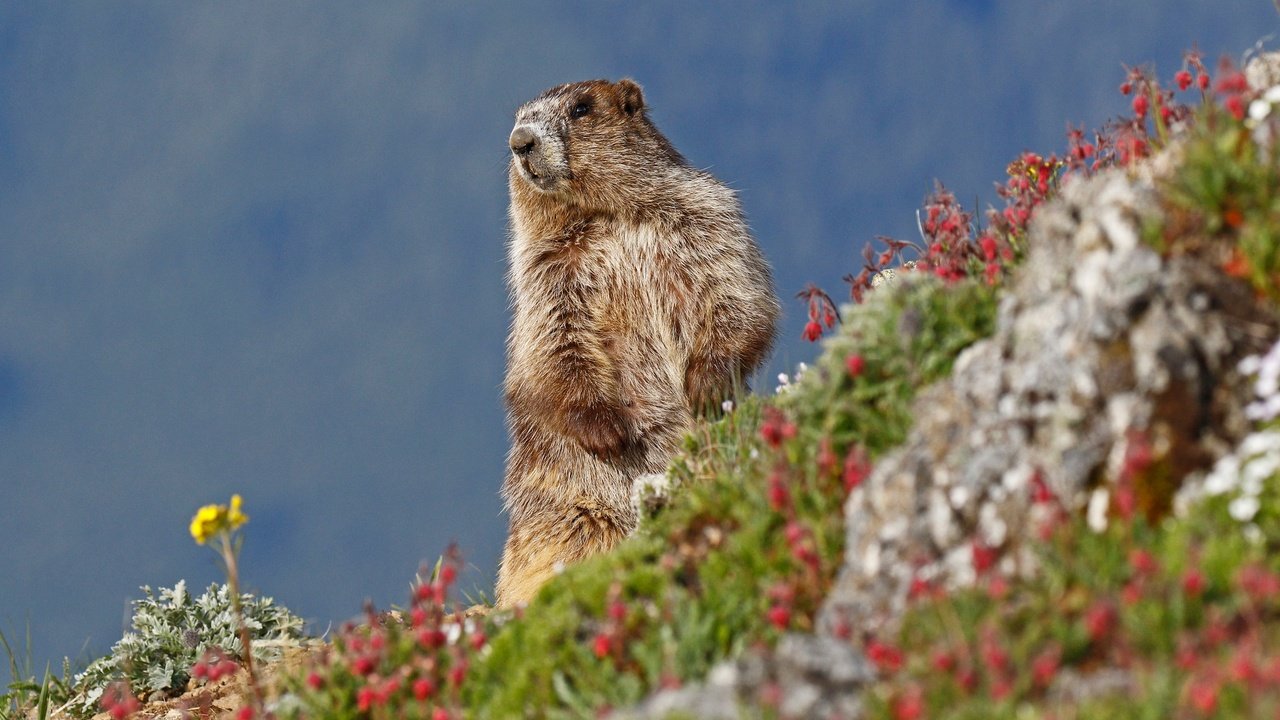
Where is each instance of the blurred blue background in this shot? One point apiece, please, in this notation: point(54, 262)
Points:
point(258, 247)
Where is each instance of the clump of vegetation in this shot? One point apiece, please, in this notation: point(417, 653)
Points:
point(25, 695)
point(172, 630)
point(412, 664)
point(1224, 199)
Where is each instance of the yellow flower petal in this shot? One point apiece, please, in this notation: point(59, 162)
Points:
point(236, 518)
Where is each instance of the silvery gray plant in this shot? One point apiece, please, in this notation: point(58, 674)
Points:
point(171, 631)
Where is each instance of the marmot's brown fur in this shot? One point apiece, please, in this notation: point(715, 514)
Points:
point(640, 300)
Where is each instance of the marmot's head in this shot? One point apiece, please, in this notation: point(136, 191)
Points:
point(586, 139)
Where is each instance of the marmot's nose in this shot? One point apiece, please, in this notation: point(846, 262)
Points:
point(523, 140)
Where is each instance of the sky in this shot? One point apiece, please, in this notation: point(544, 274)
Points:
point(258, 248)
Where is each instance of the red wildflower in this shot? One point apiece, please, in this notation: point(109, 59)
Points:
point(448, 573)
point(119, 701)
point(1140, 104)
point(458, 673)
point(1143, 562)
point(364, 665)
point(315, 681)
point(943, 660)
point(989, 248)
point(983, 557)
point(1243, 668)
point(246, 713)
point(996, 658)
point(794, 532)
point(909, 705)
point(775, 428)
point(826, 457)
point(602, 645)
point(617, 611)
point(431, 638)
point(1040, 492)
point(1193, 583)
point(779, 497)
point(1259, 583)
point(1202, 81)
point(1045, 666)
point(998, 588)
point(919, 588)
point(779, 616)
point(1098, 620)
point(1232, 83)
point(1183, 78)
point(1236, 265)
point(1235, 106)
point(885, 657)
point(1132, 592)
point(812, 331)
point(855, 364)
point(1203, 694)
point(1186, 656)
point(857, 466)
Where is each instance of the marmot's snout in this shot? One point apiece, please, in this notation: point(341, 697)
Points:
point(539, 156)
point(523, 141)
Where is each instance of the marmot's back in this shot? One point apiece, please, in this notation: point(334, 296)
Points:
point(640, 300)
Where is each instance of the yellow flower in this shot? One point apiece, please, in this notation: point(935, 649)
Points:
point(211, 520)
point(236, 518)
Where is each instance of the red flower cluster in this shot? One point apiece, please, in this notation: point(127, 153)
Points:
point(609, 639)
point(775, 427)
point(118, 700)
point(387, 663)
point(214, 665)
point(822, 312)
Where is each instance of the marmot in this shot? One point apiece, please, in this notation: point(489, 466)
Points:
point(640, 299)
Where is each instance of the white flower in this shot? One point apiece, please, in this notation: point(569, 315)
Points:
point(1243, 508)
point(1259, 110)
point(1096, 515)
point(727, 406)
point(784, 384)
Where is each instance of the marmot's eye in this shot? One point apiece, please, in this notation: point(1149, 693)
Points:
point(583, 108)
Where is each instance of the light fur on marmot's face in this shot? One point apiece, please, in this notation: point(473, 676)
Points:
point(562, 133)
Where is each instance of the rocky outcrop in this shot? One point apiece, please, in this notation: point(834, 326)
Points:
point(1107, 356)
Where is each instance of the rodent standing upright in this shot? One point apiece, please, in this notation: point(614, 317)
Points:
point(640, 299)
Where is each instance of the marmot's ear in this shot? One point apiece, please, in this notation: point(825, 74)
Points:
point(632, 96)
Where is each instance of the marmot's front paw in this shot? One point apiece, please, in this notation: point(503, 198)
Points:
point(603, 429)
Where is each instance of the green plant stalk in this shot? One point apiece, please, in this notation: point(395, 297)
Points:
point(233, 582)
